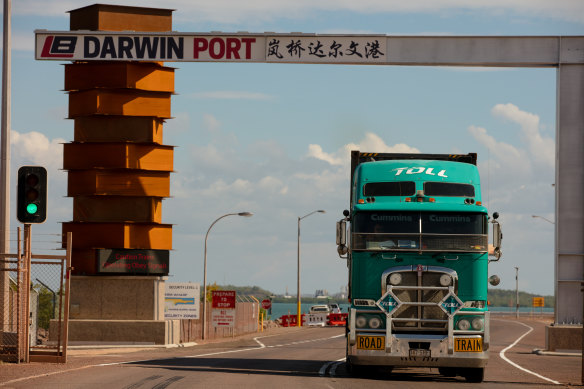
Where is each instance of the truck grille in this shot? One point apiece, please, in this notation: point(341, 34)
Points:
point(424, 317)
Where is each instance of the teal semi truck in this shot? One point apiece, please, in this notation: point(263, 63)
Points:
point(417, 249)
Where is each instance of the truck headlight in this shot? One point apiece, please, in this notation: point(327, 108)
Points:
point(463, 325)
point(478, 323)
point(360, 322)
point(445, 280)
point(374, 322)
point(395, 278)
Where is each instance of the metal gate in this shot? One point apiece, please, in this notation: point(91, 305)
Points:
point(34, 304)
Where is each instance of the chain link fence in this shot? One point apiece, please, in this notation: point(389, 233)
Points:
point(33, 303)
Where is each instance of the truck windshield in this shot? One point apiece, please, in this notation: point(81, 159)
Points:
point(420, 231)
point(448, 189)
point(394, 188)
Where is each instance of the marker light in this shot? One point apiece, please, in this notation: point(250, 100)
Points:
point(432, 200)
point(361, 201)
point(408, 200)
point(479, 203)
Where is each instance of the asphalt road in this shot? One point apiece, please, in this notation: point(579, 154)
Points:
point(292, 358)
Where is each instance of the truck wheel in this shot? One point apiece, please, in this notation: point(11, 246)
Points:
point(447, 371)
point(475, 375)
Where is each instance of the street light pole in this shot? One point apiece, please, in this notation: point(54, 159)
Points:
point(298, 312)
point(246, 214)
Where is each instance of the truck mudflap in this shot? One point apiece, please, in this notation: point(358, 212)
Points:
point(461, 349)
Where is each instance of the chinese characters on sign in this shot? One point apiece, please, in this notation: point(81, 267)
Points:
point(223, 313)
point(325, 49)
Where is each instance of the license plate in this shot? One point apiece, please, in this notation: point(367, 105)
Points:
point(416, 352)
point(370, 342)
point(468, 345)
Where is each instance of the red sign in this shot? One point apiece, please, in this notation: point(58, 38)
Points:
point(223, 299)
point(266, 304)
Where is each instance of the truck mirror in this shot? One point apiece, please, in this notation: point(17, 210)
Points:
point(341, 233)
point(497, 239)
point(494, 280)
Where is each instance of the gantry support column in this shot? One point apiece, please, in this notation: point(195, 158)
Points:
point(118, 174)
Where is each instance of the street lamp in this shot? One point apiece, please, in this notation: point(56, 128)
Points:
point(298, 318)
point(246, 214)
point(541, 217)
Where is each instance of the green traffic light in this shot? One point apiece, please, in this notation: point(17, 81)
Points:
point(31, 208)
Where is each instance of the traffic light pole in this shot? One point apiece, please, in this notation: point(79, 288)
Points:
point(5, 158)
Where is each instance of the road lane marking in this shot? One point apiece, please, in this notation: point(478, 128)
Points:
point(502, 353)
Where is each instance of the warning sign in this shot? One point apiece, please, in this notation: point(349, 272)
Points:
point(223, 313)
point(223, 317)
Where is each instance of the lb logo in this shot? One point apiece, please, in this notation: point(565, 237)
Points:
point(59, 46)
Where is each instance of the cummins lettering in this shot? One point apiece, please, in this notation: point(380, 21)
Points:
point(450, 219)
point(391, 218)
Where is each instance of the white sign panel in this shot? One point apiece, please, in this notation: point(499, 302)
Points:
point(223, 317)
point(181, 300)
point(180, 47)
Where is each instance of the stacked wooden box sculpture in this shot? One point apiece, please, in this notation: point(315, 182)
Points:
point(118, 174)
point(119, 170)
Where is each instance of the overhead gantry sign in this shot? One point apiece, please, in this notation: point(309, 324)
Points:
point(197, 47)
point(295, 48)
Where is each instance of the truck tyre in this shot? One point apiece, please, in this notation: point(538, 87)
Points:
point(475, 375)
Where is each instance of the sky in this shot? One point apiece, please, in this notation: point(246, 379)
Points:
point(274, 139)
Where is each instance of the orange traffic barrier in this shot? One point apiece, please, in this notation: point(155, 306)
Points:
point(337, 319)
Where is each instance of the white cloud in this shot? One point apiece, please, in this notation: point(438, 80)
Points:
point(36, 149)
point(541, 148)
point(371, 143)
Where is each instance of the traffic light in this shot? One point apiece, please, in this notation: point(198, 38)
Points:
point(31, 197)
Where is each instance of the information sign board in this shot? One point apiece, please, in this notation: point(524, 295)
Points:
point(181, 300)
